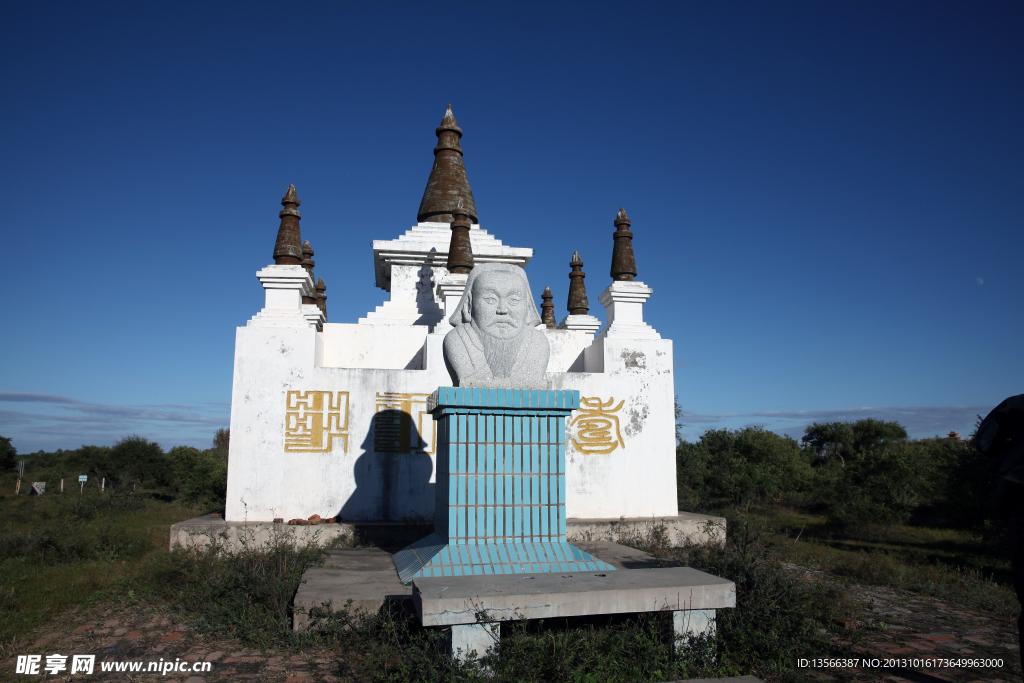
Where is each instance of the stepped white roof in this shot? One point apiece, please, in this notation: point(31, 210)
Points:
point(427, 244)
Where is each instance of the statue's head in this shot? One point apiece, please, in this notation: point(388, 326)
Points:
point(497, 301)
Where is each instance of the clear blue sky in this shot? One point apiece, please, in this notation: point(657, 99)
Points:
point(826, 197)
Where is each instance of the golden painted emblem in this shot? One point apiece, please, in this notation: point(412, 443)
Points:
point(315, 420)
point(402, 424)
point(597, 426)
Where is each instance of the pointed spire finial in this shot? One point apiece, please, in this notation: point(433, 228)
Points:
point(447, 182)
point(460, 248)
point(321, 297)
point(308, 263)
point(288, 249)
point(449, 118)
point(547, 308)
point(623, 261)
point(578, 304)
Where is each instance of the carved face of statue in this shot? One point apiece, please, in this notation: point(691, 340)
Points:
point(500, 306)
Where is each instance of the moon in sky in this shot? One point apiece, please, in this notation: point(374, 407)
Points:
point(980, 281)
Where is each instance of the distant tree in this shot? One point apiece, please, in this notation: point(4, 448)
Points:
point(845, 440)
point(733, 466)
point(8, 455)
point(679, 425)
point(199, 476)
point(221, 440)
point(137, 459)
point(881, 486)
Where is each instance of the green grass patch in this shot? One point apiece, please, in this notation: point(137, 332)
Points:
point(952, 564)
point(58, 551)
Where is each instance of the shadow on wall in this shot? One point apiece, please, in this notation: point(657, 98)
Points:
point(392, 475)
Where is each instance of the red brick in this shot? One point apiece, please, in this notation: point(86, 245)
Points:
point(171, 637)
point(82, 629)
point(133, 635)
point(298, 678)
point(976, 639)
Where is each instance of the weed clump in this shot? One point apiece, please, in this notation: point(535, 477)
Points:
point(777, 617)
point(245, 594)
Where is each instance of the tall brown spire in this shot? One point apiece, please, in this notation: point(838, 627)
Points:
point(288, 250)
point(448, 182)
point(308, 263)
point(623, 262)
point(321, 296)
point(578, 304)
point(547, 308)
point(460, 249)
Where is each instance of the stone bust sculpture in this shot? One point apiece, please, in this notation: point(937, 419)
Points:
point(495, 342)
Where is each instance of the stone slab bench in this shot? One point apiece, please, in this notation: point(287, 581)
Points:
point(367, 577)
point(472, 605)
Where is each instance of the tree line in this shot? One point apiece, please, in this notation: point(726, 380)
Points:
point(862, 473)
point(182, 472)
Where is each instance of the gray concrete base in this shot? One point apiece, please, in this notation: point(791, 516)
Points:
point(366, 576)
point(693, 622)
point(686, 527)
point(472, 640)
point(200, 532)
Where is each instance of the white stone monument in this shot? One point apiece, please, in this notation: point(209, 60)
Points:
point(331, 418)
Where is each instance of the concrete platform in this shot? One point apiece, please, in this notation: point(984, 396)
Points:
point(686, 527)
point(682, 529)
point(367, 576)
point(455, 600)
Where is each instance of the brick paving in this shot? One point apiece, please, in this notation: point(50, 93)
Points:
point(135, 634)
point(895, 624)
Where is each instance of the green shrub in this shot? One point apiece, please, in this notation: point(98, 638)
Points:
point(728, 466)
point(848, 440)
point(199, 476)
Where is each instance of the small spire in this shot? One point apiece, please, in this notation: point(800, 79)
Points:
point(447, 182)
point(288, 250)
point(460, 249)
point(548, 309)
point(578, 304)
point(308, 263)
point(321, 297)
point(623, 261)
point(449, 117)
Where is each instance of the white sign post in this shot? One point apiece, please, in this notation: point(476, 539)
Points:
point(82, 478)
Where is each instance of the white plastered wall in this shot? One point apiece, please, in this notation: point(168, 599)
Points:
point(635, 478)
